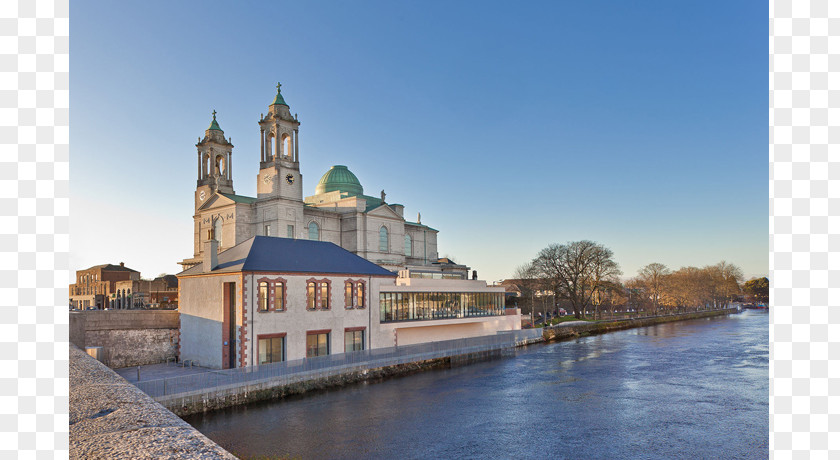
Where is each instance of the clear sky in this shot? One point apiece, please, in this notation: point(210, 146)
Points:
point(509, 126)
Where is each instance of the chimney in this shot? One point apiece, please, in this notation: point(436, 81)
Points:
point(211, 255)
point(122, 264)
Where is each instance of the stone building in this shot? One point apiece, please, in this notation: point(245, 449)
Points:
point(272, 299)
point(339, 212)
point(286, 276)
point(96, 287)
point(119, 287)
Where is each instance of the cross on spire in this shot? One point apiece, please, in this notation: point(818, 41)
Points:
point(278, 86)
point(214, 114)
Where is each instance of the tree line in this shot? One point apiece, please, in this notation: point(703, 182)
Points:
point(583, 277)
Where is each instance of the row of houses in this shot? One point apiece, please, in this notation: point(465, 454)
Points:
point(118, 287)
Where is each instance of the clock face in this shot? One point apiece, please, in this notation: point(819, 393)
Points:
point(201, 195)
point(290, 179)
point(266, 178)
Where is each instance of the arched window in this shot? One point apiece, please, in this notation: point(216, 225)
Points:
point(286, 145)
point(407, 246)
point(217, 231)
point(269, 151)
point(220, 165)
point(262, 296)
point(314, 233)
point(383, 239)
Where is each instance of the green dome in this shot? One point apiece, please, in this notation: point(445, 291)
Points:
point(339, 178)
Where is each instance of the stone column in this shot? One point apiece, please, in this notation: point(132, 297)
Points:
point(262, 144)
point(276, 141)
point(230, 166)
point(296, 145)
point(199, 165)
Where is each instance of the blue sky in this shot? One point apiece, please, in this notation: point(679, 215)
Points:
point(642, 126)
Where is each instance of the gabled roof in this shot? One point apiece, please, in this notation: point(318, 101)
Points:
point(113, 268)
point(286, 255)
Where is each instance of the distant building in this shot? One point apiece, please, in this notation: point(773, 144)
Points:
point(96, 287)
point(273, 299)
point(161, 292)
point(119, 287)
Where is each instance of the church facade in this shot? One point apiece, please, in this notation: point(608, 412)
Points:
point(339, 211)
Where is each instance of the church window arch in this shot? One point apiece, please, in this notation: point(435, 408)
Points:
point(217, 231)
point(287, 145)
point(220, 165)
point(314, 232)
point(205, 160)
point(383, 239)
point(408, 246)
point(269, 146)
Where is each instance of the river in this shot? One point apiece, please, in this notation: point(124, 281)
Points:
point(696, 388)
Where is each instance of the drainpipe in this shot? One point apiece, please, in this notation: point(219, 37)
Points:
point(251, 318)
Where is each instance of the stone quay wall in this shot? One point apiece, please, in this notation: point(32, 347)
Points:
point(128, 337)
point(560, 332)
point(111, 418)
point(234, 395)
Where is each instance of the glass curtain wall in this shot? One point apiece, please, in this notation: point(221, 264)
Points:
point(414, 306)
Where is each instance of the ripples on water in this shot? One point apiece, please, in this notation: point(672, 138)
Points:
point(693, 388)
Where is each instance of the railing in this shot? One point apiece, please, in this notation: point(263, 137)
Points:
point(288, 372)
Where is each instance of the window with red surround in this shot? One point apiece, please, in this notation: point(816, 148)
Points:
point(271, 294)
point(271, 348)
point(318, 294)
point(354, 294)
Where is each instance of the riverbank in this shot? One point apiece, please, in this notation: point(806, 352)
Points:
point(184, 403)
point(566, 331)
point(271, 389)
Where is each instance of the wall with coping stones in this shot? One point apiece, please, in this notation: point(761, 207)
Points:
point(128, 337)
point(110, 418)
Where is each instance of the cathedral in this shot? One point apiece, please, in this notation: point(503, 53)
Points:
point(338, 211)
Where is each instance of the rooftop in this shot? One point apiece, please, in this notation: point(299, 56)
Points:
point(286, 255)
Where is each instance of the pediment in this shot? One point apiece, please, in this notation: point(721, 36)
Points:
point(215, 201)
point(384, 211)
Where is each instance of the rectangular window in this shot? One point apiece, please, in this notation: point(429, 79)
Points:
point(279, 298)
point(290, 231)
point(317, 344)
point(325, 296)
point(268, 230)
point(272, 349)
point(360, 295)
point(310, 295)
point(262, 296)
point(348, 294)
point(354, 340)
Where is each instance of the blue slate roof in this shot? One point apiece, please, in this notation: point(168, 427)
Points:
point(286, 255)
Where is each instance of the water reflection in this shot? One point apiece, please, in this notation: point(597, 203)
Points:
point(695, 388)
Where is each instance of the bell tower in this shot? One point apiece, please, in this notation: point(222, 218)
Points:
point(214, 164)
point(279, 175)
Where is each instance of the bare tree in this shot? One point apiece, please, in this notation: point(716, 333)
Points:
point(653, 277)
point(576, 271)
point(526, 278)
